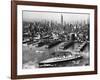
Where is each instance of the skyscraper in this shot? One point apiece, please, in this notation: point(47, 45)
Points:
point(61, 19)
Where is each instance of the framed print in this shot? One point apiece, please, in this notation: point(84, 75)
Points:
point(53, 39)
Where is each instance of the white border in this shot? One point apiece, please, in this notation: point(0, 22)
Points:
point(21, 71)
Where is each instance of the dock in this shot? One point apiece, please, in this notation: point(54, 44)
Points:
point(81, 47)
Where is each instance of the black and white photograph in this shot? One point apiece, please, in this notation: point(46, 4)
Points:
point(55, 39)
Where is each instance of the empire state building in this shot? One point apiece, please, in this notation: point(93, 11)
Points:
point(61, 19)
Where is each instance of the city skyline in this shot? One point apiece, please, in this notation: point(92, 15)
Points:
point(30, 16)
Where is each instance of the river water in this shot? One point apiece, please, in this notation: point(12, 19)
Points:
point(33, 55)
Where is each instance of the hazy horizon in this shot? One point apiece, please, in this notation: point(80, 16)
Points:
point(30, 16)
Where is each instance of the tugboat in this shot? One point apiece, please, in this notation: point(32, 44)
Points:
point(63, 57)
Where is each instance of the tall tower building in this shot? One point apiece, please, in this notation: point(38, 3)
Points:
point(61, 19)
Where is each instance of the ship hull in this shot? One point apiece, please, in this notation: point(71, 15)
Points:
point(53, 64)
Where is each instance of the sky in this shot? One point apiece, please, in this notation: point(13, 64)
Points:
point(30, 16)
